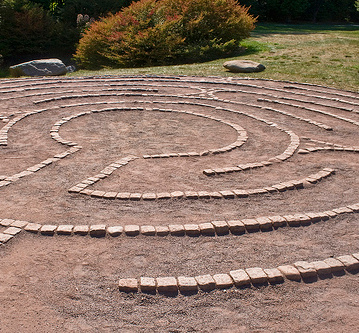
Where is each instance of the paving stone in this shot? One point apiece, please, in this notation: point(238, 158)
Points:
point(148, 284)
point(81, 230)
point(252, 225)
point(350, 263)
point(98, 194)
point(321, 267)
point(187, 284)
point(115, 231)
point(6, 222)
point(292, 220)
point(167, 285)
point(314, 217)
point(274, 275)
point(19, 224)
point(98, 230)
point(257, 275)
point(342, 210)
point(4, 238)
point(163, 195)
point(207, 229)
point(177, 194)
point(128, 285)
point(204, 195)
point(48, 229)
point(192, 229)
point(215, 195)
point(205, 282)
point(110, 195)
point(264, 223)
point(176, 229)
point(132, 230)
point(236, 227)
point(148, 230)
point(149, 196)
point(305, 269)
point(221, 227)
point(304, 219)
point(64, 229)
point(227, 194)
point(162, 230)
point(241, 193)
point(335, 265)
point(223, 281)
point(191, 195)
point(278, 221)
point(354, 208)
point(123, 196)
point(135, 196)
point(240, 277)
point(33, 227)
point(356, 255)
point(290, 272)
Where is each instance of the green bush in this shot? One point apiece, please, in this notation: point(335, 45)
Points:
point(151, 32)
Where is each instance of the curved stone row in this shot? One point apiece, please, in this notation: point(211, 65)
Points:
point(219, 228)
point(254, 276)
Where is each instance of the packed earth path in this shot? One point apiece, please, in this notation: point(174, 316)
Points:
point(178, 204)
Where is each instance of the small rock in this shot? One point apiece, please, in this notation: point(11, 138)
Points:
point(243, 66)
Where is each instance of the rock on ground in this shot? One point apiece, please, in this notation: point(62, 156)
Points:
point(44, 67)
point(243, 66)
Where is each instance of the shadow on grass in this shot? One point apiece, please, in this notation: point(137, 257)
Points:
point(264, 29)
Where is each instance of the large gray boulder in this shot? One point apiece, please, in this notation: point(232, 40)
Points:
point(44, 67)
point(243, 66)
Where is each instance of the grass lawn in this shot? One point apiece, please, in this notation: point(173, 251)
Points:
point(322, 54)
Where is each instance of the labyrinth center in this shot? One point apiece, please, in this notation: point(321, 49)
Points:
point(186, 183)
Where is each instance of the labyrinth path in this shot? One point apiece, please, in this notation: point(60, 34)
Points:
point(162, 161)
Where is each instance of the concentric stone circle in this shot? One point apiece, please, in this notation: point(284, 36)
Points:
point(305, 121)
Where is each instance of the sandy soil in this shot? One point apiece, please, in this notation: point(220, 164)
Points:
point(69, 283)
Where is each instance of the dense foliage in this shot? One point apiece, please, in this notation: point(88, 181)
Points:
point(151, 32)
point(304, 10)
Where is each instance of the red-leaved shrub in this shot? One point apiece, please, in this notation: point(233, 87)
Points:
point(151, 32)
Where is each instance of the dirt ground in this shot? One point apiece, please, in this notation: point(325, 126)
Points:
point(70, 283)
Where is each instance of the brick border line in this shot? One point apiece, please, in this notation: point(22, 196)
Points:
point(82, 188)
point(254, 276)
point(219, 228)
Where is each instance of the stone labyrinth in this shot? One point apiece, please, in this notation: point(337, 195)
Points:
point(140, 158)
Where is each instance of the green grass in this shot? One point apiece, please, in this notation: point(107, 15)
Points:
point(321, 54)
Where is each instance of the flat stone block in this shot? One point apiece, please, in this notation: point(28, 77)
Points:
point(252, 225)
point(167, 285)
point(191, 195)
point(81, 230)
point(305, 269)
point(64, 229)
point(290, 272)
point(98, 230)
point(321, 267)
point(148, 284)
point(205, 282)
point(227, 194)
point(207, 229)
point(241, 193)
point(215, 195)
point(314, 217)
point(123, 196)
point(48, 229)
point(335, 264)
point(163, 195)
point(278, 221)
point(149, 196)
point(110, 195)
point(350, 263)
point(223, 281)
point(12, 231)
point(162, 230)
point(176, 229)
point(257, 275)
point(148, 230)
point(264, 223)
point(292, 220)
point(274, 275)
point(240, 277)
point(5, 237)
point(132, 230)
point(98, 194)
point(135, 196)
point(221, 227)
point(177, 195)
point(192, 229)
point(204, 195)
point(19, 224)
point(187, 284)
point(33, 227)
point(6, 222)
point(115, 231)
point(356, 255)
point(236, 227)
point(128, 285)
